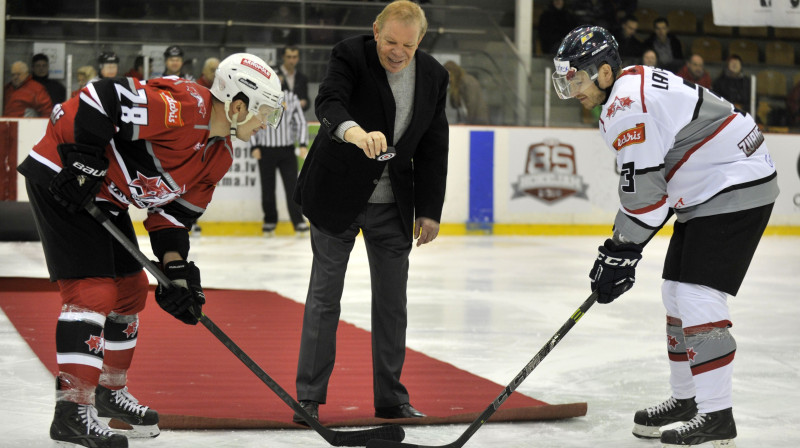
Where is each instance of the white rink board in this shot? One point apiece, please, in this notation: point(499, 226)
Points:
point(237, 198)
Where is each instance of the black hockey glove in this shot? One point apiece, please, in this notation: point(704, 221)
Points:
point(185, 298)
point(80, 180)
point(614, 270)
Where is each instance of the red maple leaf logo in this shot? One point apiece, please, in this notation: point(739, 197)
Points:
point(95, 343)
point(131, 330)
point(691, 353)
point(672, 341)
point(619, 104)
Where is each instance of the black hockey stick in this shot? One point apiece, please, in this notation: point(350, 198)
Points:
point(507, 391)
point(335, 438)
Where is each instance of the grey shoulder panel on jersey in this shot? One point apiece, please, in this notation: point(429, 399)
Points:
point(709, 113)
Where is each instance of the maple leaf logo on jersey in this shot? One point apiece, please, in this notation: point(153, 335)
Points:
point(152, 190)
point(95, 343)
point(619, 104)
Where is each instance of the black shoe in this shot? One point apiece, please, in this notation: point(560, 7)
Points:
point(301, 229)
point(312, 407)
point(78, 424)
point(121, 405)
point(404, 410)
point(647, 422)
point(716, 427)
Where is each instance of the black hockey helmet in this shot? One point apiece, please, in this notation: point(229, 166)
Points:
point(584, 49)
point(173, 51)
point(107, 57)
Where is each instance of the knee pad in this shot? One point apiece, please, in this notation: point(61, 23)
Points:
point(669, 297)
point(709, 346)
point(132, 293)
point(95, 294)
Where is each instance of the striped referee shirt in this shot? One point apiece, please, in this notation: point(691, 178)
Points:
point(292, 128)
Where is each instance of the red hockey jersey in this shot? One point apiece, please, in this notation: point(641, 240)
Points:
point(156, 136)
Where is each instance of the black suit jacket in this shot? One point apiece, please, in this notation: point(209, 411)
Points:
point(337, 178)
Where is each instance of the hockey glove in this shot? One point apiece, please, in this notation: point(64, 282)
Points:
point(185, 298)
point(614, 270)
point(80, 180)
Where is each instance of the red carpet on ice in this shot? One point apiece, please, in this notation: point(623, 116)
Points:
point(193, 381)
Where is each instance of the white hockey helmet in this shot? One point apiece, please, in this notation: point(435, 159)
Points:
point(250, 75)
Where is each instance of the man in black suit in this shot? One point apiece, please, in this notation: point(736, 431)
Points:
point(379, 92)
point(296, 81)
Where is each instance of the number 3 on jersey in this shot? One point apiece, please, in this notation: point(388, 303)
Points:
point(626, 183)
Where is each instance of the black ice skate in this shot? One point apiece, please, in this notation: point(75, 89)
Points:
point(121, 405)
point(716, 427)
point(646, 422)
point(78, 424)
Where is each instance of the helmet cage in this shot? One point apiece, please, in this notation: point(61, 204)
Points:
point(584, 50)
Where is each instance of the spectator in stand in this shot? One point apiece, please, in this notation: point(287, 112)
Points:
point(650, 58)
point(108, 64)
point(623, 9)
point(630, 47)
point(695, 72)
point(733, 85)
point(466, 96)
point(209, 70)
point(173, 63)
point(793, 105)
point(84, 75)
point(41, 74)
point(284, 16)
point(24, 97)
point(667, 45)
point(295, 80)
point(597, 12)
point(554, 23)
point(137, 71)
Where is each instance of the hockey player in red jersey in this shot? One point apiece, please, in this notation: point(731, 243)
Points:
point(680, 150)
point(160, 146)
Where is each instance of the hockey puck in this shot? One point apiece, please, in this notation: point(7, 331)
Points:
point(389, 154)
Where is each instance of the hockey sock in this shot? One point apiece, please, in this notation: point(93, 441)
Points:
point(120, 335)
point(79, 353)
point(680, 375)
point(711, 348)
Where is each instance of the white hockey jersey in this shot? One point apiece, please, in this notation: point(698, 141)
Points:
point(681, 147)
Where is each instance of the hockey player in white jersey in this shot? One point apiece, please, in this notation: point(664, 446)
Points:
point(680, 150)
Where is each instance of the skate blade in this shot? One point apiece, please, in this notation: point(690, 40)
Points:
point(727, 443)
point(646, 432)
point(139, 432)
point(131, 431)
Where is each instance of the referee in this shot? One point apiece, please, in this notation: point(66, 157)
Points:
point(275, 148)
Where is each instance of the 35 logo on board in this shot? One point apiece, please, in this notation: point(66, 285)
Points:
point(550, 173)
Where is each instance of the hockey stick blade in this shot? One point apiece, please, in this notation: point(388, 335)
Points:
point(333, 437)
point(509, 389)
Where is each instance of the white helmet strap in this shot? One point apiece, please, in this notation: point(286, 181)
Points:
point(234, 124)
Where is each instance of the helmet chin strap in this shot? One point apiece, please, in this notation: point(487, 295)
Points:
point(234, 124)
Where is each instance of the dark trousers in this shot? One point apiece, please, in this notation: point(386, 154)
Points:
point(387, 251)
point(281, 158)
point(75, 244)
